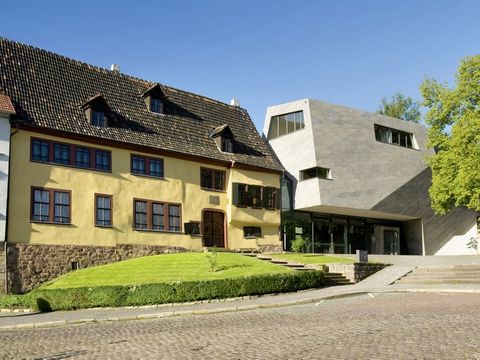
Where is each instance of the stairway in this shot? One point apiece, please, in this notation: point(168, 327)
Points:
point(331, 279)
point(447, 275)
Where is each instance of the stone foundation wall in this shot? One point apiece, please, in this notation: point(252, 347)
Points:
point(31, 265)
point(356, 272)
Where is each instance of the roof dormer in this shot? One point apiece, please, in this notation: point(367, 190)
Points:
point(97, 111)
point(154, 98)
point(223, 137)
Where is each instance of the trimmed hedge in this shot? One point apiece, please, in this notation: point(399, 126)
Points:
point(161, 293)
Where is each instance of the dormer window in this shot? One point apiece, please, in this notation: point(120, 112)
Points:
point(224, 138)
point(154, 98)
point(227, 145)
point(156, 105)
point(96, 110)
point(98, 118)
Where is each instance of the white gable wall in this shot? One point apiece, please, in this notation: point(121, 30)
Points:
point(4, 162)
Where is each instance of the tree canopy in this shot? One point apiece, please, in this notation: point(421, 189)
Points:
point(401, 107)
point(453, 117)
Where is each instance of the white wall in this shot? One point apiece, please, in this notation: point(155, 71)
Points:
point(458, 244)
point(4, 160)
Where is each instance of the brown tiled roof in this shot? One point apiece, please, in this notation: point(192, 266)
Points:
point(6, 104)
point(48, 91)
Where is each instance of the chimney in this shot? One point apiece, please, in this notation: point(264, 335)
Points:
point(115, 67)
point(235, 102)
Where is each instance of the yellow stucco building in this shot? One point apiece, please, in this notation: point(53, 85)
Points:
point(104, 166)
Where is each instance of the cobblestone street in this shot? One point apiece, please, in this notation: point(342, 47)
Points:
point(387, 326)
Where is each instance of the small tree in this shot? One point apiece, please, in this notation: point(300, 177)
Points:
point(453, 117)
point(401, 107)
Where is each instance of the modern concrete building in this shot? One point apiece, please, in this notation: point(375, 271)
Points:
point(358, 180)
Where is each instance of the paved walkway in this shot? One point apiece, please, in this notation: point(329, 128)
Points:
point(377, 283)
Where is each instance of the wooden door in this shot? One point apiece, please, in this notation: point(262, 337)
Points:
point(213, 229)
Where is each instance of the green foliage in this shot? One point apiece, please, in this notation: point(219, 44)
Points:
point(213, 260)
point(298, 245)
point(172, 292)
point(401, 107)
point(453, 117)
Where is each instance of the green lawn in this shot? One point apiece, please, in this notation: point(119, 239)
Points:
point(303, 258)
point(165, 268)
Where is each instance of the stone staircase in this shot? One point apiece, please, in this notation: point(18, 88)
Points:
point(331, 279)
point(447, 275)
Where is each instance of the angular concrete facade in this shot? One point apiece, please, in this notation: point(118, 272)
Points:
point(367, 179)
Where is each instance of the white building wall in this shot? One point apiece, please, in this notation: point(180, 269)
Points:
point(458, 245)
point(4, 161)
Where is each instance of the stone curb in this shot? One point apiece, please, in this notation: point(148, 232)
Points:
point(231, 308)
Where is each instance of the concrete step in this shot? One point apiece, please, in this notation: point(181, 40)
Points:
point(294, 266)
point(438, 281)
point(264, 258)
point(279, 262)
point(443, 269)
point(445, 275)
point(250, 254)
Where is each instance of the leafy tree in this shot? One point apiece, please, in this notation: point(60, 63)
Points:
point(401, 107)
point(453, 117)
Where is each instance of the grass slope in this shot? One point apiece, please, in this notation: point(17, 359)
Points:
point(165, 268)
point(313, 258)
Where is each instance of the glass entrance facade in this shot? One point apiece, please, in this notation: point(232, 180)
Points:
point(334, 234)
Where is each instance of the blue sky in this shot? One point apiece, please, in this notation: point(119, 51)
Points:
point(262, 52)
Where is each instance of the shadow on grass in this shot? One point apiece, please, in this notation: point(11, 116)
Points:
point(228, 267)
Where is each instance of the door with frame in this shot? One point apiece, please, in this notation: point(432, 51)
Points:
point(213, 223)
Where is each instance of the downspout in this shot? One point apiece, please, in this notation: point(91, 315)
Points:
point(5, 247)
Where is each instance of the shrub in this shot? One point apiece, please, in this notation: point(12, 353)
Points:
point(174, 292)
point(298, 245)
point(213, 260)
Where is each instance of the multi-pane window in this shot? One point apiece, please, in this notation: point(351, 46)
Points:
point(392, 136)
point(70, 155)
point(52, 206)
point(285, 124)
point(98, 118)
point(141, 214)
point(315, 172)
point(256, 196)
point(156, 105)
point(138, 165)
point(40, 150)
point(242, 194)
point(61, 153)
point(252, 231)
point(142, 165)
point(192, 228)
point(157, 216)
point(41, 205)
point(212, 179)
point(174, 217)
point(156, 167)
point(103, 210)
point(102, 160)
point(227, 144)
point(61, 213)
point(270, 197)
point(82, 157)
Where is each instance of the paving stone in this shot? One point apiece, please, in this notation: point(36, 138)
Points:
point(388, 326)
